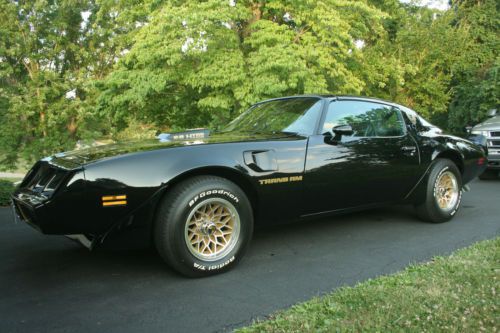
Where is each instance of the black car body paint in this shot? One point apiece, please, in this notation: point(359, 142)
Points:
point(286, 176)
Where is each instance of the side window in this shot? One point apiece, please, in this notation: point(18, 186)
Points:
point(390, 123)
point(367, 119)
point(307, 122)
point(420, 123)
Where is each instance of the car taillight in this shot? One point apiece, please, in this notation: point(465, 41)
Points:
point(481, 161)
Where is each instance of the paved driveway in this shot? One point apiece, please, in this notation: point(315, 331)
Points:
point(48, 283)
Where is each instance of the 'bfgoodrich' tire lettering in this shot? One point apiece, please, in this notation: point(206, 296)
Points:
point(207, 193)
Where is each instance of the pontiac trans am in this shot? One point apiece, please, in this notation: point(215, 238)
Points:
point(197, 194)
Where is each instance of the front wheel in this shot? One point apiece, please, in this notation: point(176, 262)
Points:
point(443, 193)
point(203, 226)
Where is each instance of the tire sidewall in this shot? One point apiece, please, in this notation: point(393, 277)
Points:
point(181, 211)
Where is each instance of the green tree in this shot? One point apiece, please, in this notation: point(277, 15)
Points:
point(77, 69)
point(413, 63)
point(39, 51)
point(475, 83)
point(202, 61)
point(50, 54)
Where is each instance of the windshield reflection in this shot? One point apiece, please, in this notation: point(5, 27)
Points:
point(292, 116)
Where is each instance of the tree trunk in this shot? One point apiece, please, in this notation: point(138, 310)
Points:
point(42, 113)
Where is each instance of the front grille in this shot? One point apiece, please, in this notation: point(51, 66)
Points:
point(43, 179)
point(495, 143)
point(495, 134)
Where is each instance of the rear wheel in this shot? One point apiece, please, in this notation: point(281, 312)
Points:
point(203, 226)
point(443, 193)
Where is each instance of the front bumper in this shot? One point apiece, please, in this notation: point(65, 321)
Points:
point(43, 199)
point(25, 213)
point(56, 216)
point(494, 160)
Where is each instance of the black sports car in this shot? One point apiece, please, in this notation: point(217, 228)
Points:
point(197, 194)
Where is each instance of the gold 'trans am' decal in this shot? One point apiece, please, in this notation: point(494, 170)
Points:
point(278, 180)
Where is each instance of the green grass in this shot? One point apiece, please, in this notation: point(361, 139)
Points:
point(6, 188)
point(449, 294)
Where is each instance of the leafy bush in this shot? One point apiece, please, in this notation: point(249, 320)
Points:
point(136, 130)
point(6, 188)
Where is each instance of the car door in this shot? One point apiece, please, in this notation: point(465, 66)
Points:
point(376, 163)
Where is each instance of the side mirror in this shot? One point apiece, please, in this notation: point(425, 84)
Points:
point(492, 113)
point(342, 130)
point(336, 132)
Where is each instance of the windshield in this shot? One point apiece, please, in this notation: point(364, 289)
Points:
point(292, 115)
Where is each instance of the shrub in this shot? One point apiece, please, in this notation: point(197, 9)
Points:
point(6, 188)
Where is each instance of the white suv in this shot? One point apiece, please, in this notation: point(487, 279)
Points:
point(490, 129)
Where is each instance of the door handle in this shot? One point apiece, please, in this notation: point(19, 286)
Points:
point(409, 150)
point(261, 160)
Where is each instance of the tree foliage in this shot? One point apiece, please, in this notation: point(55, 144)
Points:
point(475, 86)
point(212, 59)
point(50, 53)
point(74, 69)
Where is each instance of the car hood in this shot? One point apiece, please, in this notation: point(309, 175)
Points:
point(91, 154)
point(488, 125)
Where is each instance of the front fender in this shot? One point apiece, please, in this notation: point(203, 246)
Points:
point(140, 178)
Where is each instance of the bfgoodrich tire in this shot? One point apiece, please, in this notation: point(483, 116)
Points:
point(203, 226)
point(443, 193)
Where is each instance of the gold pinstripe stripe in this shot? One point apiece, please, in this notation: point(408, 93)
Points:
point(114, 203)
point(114, 197)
